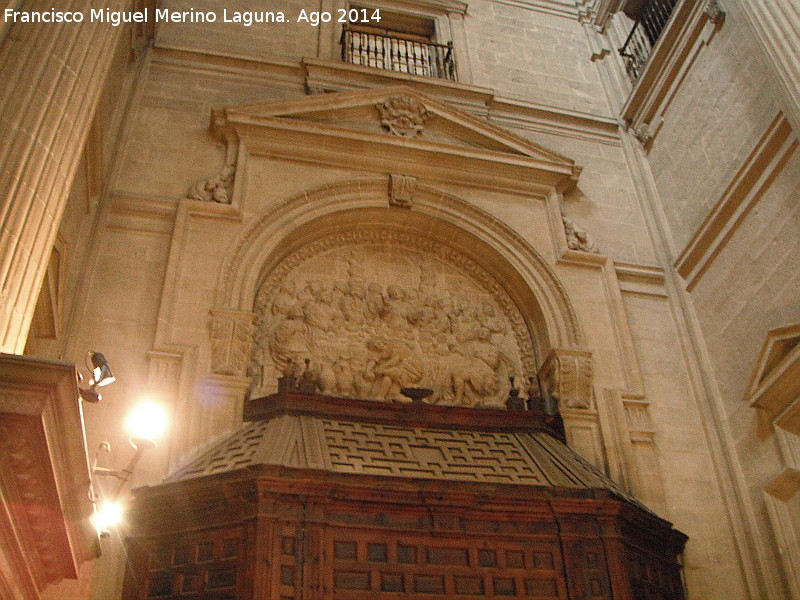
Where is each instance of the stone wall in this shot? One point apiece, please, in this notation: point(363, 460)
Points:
point(145, 283)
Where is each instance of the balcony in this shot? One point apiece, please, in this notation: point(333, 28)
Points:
point(650, 22)
point(398, 52)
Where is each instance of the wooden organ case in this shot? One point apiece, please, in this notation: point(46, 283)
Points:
point(317, 497)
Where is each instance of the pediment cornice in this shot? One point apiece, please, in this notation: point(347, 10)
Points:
point(350, 128)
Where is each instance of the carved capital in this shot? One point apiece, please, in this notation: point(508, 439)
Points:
point(401, 190)
point(403, 116)
point(231, 341)
point(567, 376)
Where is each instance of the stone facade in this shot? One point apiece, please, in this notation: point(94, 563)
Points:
point(632, 243)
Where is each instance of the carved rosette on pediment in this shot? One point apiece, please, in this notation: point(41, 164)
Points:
point(567, 376)
point(403, 116)
point(377, 310)
point(231, 341)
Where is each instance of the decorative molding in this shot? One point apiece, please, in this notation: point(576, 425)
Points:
point(775, 383)
point(568, 376)
point(401, 190)
point(231, 341)
point(486, 155)
point(403, 116)
point(746, 189)
point(644, 280)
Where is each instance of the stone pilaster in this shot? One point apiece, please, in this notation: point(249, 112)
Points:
point(52, 76)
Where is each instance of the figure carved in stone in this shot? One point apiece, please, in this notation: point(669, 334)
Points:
point(403, 116)
point(375, 318)
point(215, 189)
point(578, 238)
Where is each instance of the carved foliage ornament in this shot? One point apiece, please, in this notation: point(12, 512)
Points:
point(403, 116)
point(231, 340)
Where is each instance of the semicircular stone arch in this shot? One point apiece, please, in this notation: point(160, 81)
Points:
point(316, 249)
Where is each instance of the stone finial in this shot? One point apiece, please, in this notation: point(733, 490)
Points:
point(401, 190)
point(577, 237)
point(403, 116)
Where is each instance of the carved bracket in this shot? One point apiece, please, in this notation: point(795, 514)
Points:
point(567, 376)
point(401, 190)
point(231, 341)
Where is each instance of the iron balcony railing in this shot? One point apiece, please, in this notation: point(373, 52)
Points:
point(396, 52)
point(653, 18)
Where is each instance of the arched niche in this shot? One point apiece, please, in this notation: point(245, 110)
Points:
point(336, 210)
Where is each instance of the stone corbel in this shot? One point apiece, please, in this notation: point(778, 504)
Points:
point(567, 376)
point(401, 190)
point(231, 341)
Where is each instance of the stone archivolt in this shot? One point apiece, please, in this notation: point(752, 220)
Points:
point(377, 310)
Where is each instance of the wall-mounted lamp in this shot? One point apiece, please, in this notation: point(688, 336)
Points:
point(101, 376)
point(146, 423)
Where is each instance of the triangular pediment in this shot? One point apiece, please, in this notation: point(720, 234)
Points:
point(775, 382)
point(371, 121)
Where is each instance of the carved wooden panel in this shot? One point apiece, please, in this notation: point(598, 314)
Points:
point(380, 564)
point(192, 566)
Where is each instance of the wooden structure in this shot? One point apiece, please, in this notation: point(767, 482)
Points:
point(45, 501)
point(333, 498)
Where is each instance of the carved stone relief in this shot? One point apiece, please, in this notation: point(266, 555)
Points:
point(577, 238)
point(403, 116)
point(231, 339)
point(215, 189)
point(377, 310)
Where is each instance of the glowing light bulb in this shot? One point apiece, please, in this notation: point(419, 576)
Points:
point(147, 421)
point(107, 515)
